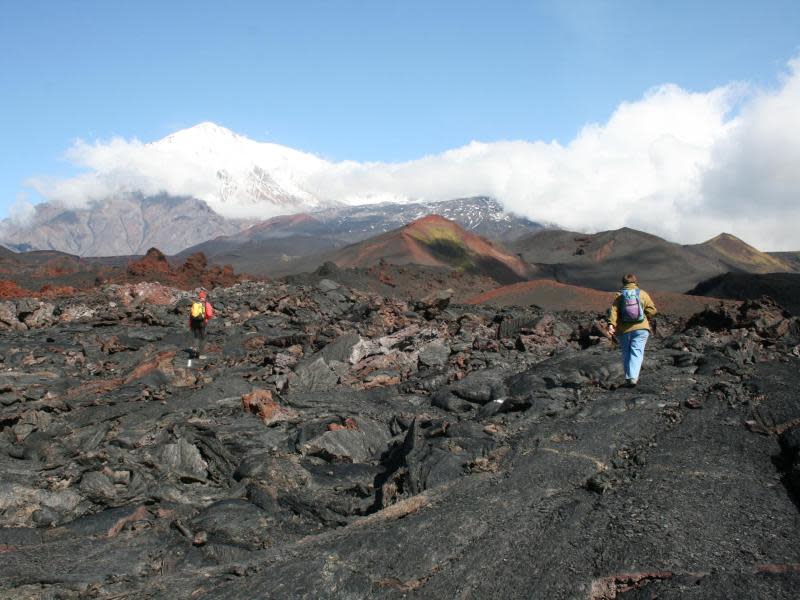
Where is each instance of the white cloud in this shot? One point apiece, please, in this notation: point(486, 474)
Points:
point(679, 164)
point(644, 165)
point(753, 182)
point(22, 210)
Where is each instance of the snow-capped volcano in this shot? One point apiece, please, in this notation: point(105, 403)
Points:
point(234, 175)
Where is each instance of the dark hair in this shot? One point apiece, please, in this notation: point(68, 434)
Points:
point(629, 278)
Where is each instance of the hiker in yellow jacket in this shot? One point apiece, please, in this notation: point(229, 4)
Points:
point(199, 314)
point(628, 318)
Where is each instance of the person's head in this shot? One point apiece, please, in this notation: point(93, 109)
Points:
point(629, 278)
point(201, 294)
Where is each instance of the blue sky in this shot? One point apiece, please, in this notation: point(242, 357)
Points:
point(368, 81)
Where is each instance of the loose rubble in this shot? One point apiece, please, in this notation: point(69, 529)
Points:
point(340, 444)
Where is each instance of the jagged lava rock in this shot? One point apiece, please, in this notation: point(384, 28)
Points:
point(335, 443)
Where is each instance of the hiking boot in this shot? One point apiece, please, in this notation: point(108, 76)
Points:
point(633, 382)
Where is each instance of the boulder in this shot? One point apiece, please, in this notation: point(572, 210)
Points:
point(231, 522)
point(436, 301)
point(434, 354)
point(397, 338)
point(261, 403)
point(482, 386)
point(342, 348)
point(97, 487)
point(358, 443)
point(314, 376)
point(41, 316)
point(326, 285)
point(183, 460)
point(364, 348)
point(76, 312)
point(9, 318)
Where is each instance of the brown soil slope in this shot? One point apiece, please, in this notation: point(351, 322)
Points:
point(737, 255)
point(435, 242)
point(552, 295)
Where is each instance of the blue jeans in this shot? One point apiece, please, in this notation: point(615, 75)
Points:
point(631, 345)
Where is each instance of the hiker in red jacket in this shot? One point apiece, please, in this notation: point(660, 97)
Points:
point(199, 314)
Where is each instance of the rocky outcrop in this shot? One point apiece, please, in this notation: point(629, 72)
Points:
point(194, 271)
point(153, 263)
point(54, 274)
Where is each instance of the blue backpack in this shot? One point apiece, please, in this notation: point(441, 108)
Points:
point(630, 306)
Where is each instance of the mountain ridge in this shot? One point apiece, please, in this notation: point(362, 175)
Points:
point(119, 226)
point(599, 260)
point(278, 245)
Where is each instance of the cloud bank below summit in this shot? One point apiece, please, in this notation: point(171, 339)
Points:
point(683, 165)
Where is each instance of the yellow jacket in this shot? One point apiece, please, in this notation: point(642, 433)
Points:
point(649, 312)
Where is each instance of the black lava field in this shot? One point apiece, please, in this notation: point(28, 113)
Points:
point(339, 444)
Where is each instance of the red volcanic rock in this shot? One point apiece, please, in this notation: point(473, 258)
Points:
point(9, 289)
point(152, 263)
point(89, 388)
point(61, 275)
point(194, 272)
point(386, 279)
point(349, 423)
point(217, 276)
point(57, 267)
point(260, 402)
point(160, 362)
point(195, 264)
point(53, 291)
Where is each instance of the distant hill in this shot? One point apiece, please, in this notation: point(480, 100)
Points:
point(436, 242)
point(735, 255)
point(599, 260)
point(792, 258)
point(280, 245)
point(270, 248)
point(480, 215)
point(121, 226)
point(784, 288)
point(37, 268)
point(50, 272)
